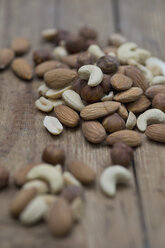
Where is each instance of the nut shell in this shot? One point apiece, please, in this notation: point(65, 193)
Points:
point(121, 154)
point(53, 154)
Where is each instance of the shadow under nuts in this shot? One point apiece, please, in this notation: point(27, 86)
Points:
point(53, 155)
point(113, 123)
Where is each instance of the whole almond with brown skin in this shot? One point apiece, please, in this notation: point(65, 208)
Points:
point(6, 56)
point(4, 177)
point(20, 45)
point(81, 171)
point(137, 77)
point(129, 95)
point(122, 111)
point(121, 82)
point(59, 78)
point(100, 109)
point(60, 218)
point(44, 67)
point(67, 116)
point(22, 69)
point(156, 132)
point(70, 60)
point(129, 137)
point(53, 154)
point(20, 175)
point(93, 131)
point(154, 90)
point(113, 123)
point(159, 101)
point(21, 200)
point(139, 105)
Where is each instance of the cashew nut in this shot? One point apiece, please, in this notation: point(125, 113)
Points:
point(56, 94)
point(95, 51)
point(59, 52)
point(36, 209)
point(69, 179)
point(39, 185)
point(108, 97)
point(56, 102)
point(111, 177)
point(91, 72)
point(73, 100)
point(53, 125)
point(153, 61)
point(44, 104)
point(50, 174)
point(150, 116)
point(131, 121)
point(42, 90)
point(158, 80)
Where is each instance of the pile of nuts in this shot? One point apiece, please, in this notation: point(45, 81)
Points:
point(110, 92)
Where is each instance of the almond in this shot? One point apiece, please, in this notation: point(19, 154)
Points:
point(20, 45)
point(113, 123)
point(93, 131)
point(129, 137)
point(154, 90)
point(137, 77)
point(122, 111)
point(129, 95)
point(6, 56)
point(139, 105)
point(156, 132)
point(70, 60)
point(44, 67)
point(20, 175)
point(159, 101)
point(59, 78)
point(22, 69)
point(81, 171)
point(100, 109)
point(60, 217)
point(121, 82)
point(67, 116)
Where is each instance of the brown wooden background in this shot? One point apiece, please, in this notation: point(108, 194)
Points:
point(136, 217)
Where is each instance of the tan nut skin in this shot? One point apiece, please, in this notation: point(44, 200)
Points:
point(121, 154)
point(53, 154)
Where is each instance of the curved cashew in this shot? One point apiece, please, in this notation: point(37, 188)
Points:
point(44, 104)
point(42, 90)
point(69, 179)
point(95, 51)
point(73, 100)
point(91, 72)
point(158, 80)
point(108, 97)
point(50, 174)
point(131, 121)
point(53, 125)
point(150, 116)
point(36, 209)
point(111, 177)
point(59, 52)
point(153, 61)
point(39, 185)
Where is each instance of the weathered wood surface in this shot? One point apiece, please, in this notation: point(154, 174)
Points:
point(135, 218)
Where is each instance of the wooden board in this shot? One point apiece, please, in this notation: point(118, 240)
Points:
point(135, 217)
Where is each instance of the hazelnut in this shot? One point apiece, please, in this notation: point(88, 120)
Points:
point(91, 94)
point(121, 154)
point(78, 84)
point(71, 192)
point(116, 39)
point(74, 43)
point(61, 35)
point(53, 155)
point(108, 64)
point(106, 84)
point(88, 33)
point(41, 55)
point(113, 123)
point(84, 59)
point(90, 42)
point(159, 101)
point(4, 177)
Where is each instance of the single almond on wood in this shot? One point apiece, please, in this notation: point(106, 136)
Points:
point(22, 69)
point(59, 78)
point(139, 105)
point(129, 137)
point(20, 45)
point(60, 217)
point(81, 171)
point(67, 116)
point(100, 109)
point(137, 77)
point(20, 175)
point(156, 132)
point(113, 123)
point(93, 131)
point(129, 95)
point(154, 90)
point(6, 56)
point(121, 82)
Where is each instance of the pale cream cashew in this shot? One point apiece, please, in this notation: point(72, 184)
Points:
point(36, 209)
point(73, 100)
point(108, 97)
point(112, 54)
point(39, 185)
point(112, 176)
point(92, 73)
point(57, 102)
point(158, 80)
point(53, 125)
point(56, 94)
point(77, 208)
point(43, 104)
point(150, 116)
point(50, 174)
point(69, 179)
point(131, 121)
point(49, 33)
point(95, 51)
point(157, 62)
point(59, 52)
point(42, 90)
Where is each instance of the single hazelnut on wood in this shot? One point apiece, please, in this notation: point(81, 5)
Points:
point(106, 84)
point(113, 123)
point(121, 154)
point(159, 101)
point(84, 59)
point(74, 43)
point(41, 55)
point(78, 85)
point(53, 154)
point(108, 64)
point(91, 94)
point(4, 177)
point(88, 33)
